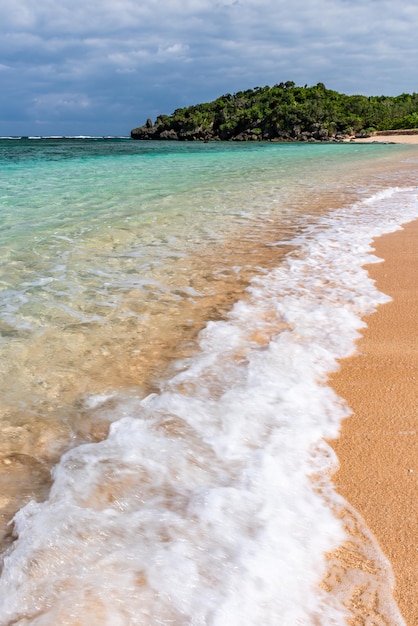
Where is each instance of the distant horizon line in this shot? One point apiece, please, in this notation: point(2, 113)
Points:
point(34, 137)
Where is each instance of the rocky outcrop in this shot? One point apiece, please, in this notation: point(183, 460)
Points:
point(162, 131)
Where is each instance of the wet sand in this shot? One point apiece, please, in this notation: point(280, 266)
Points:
point(378, 446)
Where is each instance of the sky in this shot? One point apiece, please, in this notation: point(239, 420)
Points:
point(102, 67)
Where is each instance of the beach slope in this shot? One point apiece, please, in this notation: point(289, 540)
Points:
point(410, 137)
point(378, 447)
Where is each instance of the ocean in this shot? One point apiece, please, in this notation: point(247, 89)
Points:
point(169, 316)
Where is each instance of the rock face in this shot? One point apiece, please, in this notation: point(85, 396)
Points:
point(160, 131)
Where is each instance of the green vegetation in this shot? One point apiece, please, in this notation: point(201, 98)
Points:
point(285, 112)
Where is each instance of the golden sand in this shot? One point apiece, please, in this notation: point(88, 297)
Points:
point(378, 447)
point(389, 138)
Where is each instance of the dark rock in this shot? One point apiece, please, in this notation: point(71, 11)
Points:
point(161, 129)
point(143, 132)
point(169, 134)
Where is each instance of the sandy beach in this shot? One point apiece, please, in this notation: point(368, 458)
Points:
point(378, 446)
point(405, 137)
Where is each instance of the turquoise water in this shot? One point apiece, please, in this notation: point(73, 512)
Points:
point(191, 298)
point(74, 208)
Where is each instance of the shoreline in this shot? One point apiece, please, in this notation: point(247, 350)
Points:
point(378, 444)
point(389, 138)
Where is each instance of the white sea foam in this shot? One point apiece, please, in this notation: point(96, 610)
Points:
point(200, 507)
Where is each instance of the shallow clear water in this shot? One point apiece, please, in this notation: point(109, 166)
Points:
point(192, 298)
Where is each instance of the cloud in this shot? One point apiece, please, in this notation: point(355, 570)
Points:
point(54, 103)
point(130, 60)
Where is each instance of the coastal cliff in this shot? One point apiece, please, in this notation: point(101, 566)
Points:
point(284, 112)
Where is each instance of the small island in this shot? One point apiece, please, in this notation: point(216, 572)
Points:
point(285, 112)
